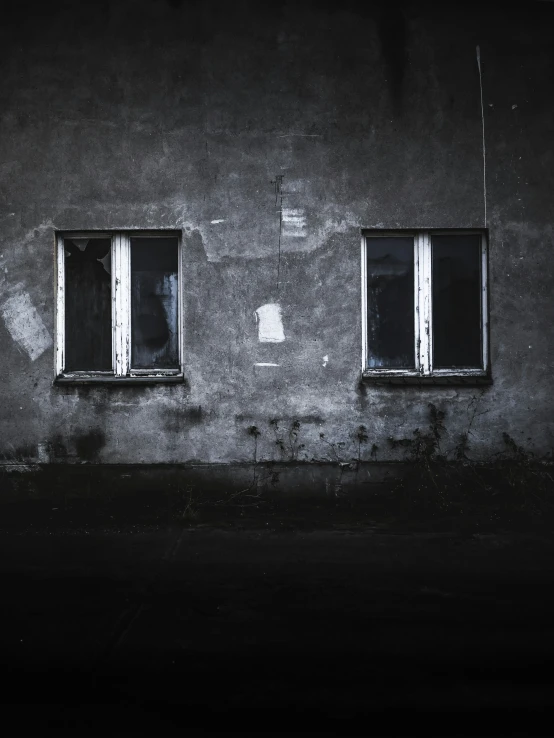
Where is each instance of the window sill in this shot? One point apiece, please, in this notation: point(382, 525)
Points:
point(109, 379)
point(461, 380)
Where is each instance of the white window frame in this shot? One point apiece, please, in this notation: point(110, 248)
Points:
point(121, 309)
point(423, 314)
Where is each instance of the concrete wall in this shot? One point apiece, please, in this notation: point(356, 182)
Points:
point(160, 114)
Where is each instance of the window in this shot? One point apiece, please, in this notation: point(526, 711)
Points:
point(424, 299)
point(118, 307)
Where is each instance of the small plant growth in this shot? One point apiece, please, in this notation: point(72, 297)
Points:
point(335, 448)
point(510, 483)
point(253, 431)
point(362, 438)
point(442, 480)
point(287, 441)
point(190, 509)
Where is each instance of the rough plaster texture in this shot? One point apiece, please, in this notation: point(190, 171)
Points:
point(200, 117)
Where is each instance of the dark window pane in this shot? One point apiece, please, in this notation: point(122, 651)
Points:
point(88, 304)
point(154, 303)
point(390, 302)
point(456, 301)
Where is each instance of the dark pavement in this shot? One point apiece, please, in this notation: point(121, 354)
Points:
point(175, 630)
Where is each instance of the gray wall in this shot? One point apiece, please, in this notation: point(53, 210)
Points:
point(173, 115)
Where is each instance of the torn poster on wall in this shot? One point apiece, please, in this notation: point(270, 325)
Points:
point(25, 325)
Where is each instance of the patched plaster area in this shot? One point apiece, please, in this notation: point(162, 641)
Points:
point(270, 324)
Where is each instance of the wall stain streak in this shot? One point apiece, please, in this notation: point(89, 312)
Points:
point(88, 445)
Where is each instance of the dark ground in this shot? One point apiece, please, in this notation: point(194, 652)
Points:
point(306, 620)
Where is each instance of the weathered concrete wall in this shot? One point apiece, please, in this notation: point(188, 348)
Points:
point(160, 114)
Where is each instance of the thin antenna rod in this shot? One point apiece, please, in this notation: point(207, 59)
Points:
point(483, 125)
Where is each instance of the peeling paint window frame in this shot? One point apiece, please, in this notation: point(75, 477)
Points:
point(121, 311)
point(423, 320)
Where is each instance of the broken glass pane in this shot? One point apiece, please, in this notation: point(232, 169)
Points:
point(457, 301)
point(88, 304)
point(390, 302)
point(154, 303)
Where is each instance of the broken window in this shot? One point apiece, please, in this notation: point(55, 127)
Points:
point(118, 306)
point(88, 304)
point(425, 303)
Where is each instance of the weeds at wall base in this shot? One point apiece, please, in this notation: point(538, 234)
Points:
point(432, 486)
point(509, 485)
point(428, 496)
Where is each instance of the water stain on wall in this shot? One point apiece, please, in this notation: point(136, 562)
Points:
point(88, 445)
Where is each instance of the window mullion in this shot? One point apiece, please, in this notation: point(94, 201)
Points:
point(364, 302)
point(121, 303)
point(424, 293)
